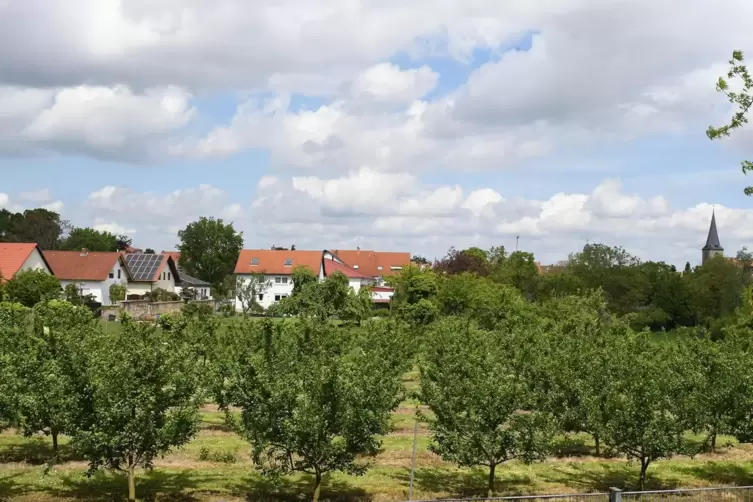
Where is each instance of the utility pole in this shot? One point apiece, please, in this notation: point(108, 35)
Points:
point(517, 238)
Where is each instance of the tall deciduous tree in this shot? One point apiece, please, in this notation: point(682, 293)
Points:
point(486, 417)
point(88, 238)
point(742, 100)
point(209, 249)
point(14, 325)
point(314, 401)
point(33, 225)
point(30, 287)
point(146, 398)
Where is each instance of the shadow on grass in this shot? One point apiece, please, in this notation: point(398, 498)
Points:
point(725, 473)
point(8, 487)
point(464, 484)
point(35, 451)
point(572, 446)
point(183, 486)
point(258, 489)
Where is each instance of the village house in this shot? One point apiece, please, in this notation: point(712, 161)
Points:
point(19, 257)
point(149, 272)
point(185, 283)
point(92, 272)
point(362, 268)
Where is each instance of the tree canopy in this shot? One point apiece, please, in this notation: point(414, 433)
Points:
point(209, 250)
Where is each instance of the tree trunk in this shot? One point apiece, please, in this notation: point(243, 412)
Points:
point(131, 484)
point(318, 486)
point(490, 491)
point(712, 440)
point(54, 434)
point(598, 445)
point(644, 467)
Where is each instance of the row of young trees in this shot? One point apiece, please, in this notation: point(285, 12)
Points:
point(502, 381)
point(314, 398)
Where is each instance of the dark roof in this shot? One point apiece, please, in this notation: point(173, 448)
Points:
point(186, 281)
point(712, 241)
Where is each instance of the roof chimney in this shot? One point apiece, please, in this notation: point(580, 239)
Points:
point(84, 251)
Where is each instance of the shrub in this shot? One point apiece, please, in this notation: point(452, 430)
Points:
point(32, 286)
point(223, 456)
point(227, 309)
point(200, 310)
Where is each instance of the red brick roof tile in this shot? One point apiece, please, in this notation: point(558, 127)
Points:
point(80, 266)
point(12, 257)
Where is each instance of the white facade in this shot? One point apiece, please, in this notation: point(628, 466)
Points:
point(101, 289)
point(382, 294)
point(165, 280)
point(280, 286)
point(204, 292)
point(34, 262)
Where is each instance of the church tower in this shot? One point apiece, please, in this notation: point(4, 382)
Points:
point(713, 247)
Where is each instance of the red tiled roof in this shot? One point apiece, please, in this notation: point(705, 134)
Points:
point(77, 266)
point(331, 266)
point(175, 255)
point(368, 262)
point(273, 261)
point(12, 257)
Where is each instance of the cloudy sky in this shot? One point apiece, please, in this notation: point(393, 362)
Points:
point(379, 123)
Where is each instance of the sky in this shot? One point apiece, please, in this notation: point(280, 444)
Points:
point(396, 126)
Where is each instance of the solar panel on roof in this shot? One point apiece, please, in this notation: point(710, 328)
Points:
point(143, 267)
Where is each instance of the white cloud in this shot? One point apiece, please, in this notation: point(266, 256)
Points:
point(388, 84)
point(113, 227)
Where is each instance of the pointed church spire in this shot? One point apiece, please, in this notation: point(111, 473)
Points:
point(712, 241)
point(713, 247)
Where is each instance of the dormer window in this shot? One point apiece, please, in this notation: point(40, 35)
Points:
point(355, 267)
point(289, 262)
point(396, 268)
point(254, 261)
point(379, 267)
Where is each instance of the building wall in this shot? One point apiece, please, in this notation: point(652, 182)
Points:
point(166, 280)
point(355, 284)
point(119, 276)
point(381, 293)
point(280, 287)
point(205, 292)
point(139, 288)
point(34, 262)
point(90, 288)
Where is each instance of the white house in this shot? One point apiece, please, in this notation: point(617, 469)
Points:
point(18, 257)
point(202, 289)
point(356, 279)
point(276, 266)
point(92, 272)
point(149, 272)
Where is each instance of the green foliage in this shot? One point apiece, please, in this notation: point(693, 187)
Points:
point(302, 276)
point(33, 225)
point(742, 100)
point(161, 295)
point(118, 292)
point(14, 321)
point(717, 289)
point(89, 239)
point(30, 287)
point(209, 249)
point(145, 398)
point(198, 310)
point(481, 400)
point(53, 394)
point(413, 284)
point(224, 456)
point(520, 271)
point(311, 398)
point(316, 299)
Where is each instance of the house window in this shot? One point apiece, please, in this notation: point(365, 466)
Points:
point(261, 297)
point(278, 280)
point(168, 276)
point(289, 262)
point(112, 275)
point(277, 298)
point(355, 267)
point(254, 261)
point(284, 280)
point(118, 273)
point(396, 268)
point(379, 267)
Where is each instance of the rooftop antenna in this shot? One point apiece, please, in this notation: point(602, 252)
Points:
point(517, 238)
